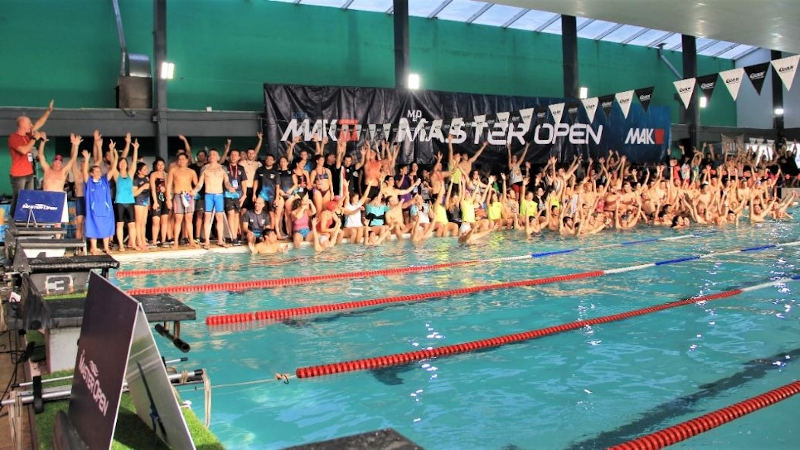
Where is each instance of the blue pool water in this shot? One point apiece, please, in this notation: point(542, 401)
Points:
point(588, 388)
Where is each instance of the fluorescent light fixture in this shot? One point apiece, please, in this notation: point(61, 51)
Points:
point(703, 101)
point(167, 70)
point(779, 111)
point(414, 81)
point(583, 92)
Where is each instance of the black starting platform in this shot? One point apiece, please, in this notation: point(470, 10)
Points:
point(60, 319)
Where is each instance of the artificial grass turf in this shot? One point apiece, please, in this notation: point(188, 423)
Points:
point(131, 432)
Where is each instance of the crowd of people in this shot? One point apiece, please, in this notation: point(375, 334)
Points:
point(323, 194)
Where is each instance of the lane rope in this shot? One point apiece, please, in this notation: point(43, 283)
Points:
point(292, 281)
point(690, 428)
point(499, 341)
point(280, 314)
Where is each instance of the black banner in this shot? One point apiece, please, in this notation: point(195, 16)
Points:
point(606, 102)
point(707, 83)
point(757, 73)
point(644, 95)
point(420, 122)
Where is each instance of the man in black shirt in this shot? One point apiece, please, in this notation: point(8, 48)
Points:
point(257, 222)
point(265, 180)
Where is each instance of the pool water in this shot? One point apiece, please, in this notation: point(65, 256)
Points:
point(588, 388)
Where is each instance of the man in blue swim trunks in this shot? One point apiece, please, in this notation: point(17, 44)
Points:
point(213, 176)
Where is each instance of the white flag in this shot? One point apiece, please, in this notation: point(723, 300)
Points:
point(502, 117)
point(733, 80)
point(479, 119)
point(590, 106)
point(786, 67)
point(557, 110)
point(372, 130)
point(526, 115)
point(387, 128)
point(456, 124)
point(624, 101)
point(685, 89)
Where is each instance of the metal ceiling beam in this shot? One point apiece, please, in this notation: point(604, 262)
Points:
point(747, 52)
point(390, 10)
point(707, 45)
point(549, 22)
point(725, 50)
point(347, 4)
point(676, 46)
point(516, 17)
point(439, 8)
point(608, 31)
point(584, 24)
point(479, 13)
point(662, 38)
point(636, 35)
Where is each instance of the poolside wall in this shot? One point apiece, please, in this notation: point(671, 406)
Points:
point(224, 50)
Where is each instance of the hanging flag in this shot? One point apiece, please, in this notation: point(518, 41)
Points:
point(706, 83)
point(685, 89)
point(757, 73)
point(557, 110)
point(733, 80)
point(372, 130)
point(387, 128)
point(624, 101)
point(456, 124)
point(481, 119)
point(590, 106)
point(502, 117)
point(644, 95)
point(786, 67)
point(541, 114)
point(607, 102)
point(572, 110)
point(526, 115)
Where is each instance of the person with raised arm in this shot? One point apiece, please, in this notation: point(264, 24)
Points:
point(124, 199)
point(55, 174)
point(250, 163)
point(99, 211)
point(20, 148)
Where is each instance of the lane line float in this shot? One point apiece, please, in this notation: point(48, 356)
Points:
point(499, 341)
point(280, 314)
point(690, 428)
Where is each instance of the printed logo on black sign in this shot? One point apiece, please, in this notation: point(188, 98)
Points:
point(757, 75)
point(705, 86)
point(644, 98)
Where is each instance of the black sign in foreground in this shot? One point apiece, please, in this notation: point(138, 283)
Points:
point(108, 321)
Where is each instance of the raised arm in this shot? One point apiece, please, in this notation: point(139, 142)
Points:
point(187, 148)
point(227, 150)
point(132, 165)
point(127, 145)
point(97, 148)
point(478, 153)
point(41, 120)
point(75, 140)
point(85, 169)
point(258, 144)
point(40, 153)
point(112, 172)
point(290, 148)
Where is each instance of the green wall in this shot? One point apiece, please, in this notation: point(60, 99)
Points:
point(224, 50)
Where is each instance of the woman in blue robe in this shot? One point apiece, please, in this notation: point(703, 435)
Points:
point(99, 222)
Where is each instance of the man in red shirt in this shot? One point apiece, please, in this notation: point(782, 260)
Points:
point(20, 146)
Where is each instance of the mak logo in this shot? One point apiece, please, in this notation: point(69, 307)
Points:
point(645, 136)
